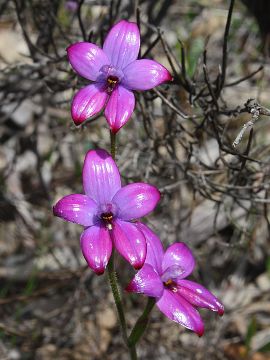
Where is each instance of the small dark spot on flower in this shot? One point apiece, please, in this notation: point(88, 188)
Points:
point(112, 81)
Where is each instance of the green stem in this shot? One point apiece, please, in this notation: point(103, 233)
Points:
point(113, 144)
point(117, 297)
point(141, 324)
point(113, 281)
point(119, 307)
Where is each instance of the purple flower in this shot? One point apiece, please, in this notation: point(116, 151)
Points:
point(115, 72)
point(71, 5)
point(107, 211)
point(163, 277)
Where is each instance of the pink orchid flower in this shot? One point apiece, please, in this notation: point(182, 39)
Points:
point(107, 211)
point(115, 72)
point(163, 277)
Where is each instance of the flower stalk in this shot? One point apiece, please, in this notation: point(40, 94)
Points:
point(113, 144)
point(141, 324)
point(113, 280)
point(117, 298)
point(111, 271)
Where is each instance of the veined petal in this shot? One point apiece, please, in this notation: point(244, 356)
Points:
point(136, 200)
point(173, 272)
point(122, 43)
point(155, 252)
point(87, 102)
point(199, 296)
point(146, 282)
point(96, 247)
point(101, 178)
point(76, 208)
point(119, 108)
point(144, 75)
point(129, 242)
point(177, 309)
point(87, 59)
point(178, 254)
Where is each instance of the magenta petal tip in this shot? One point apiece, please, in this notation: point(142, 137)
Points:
point(138, 265)
point(145, 74)
point(129, 242)
point(119, 108)
point(200, 331)
point(221, 310)
point(136, 200)
point(96, 247)
point(130, 287)
point(87, 102)
point(99, 271)
point(138, 262)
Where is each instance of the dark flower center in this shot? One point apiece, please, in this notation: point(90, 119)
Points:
point(171, 285)
point(107, 217)
point(112, 81)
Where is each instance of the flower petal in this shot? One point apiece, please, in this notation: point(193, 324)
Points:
point(199, 296)
point(136, 200)
point(87, 59)
point(101, 178)
point(144, 75)
point(96, 247)
point(179, 310)
point(122, 43)
point(173, 272)
point(180, 255)
point(87, 102)
point(146, 282)
point(129, 242)
point(119, 108)
point(76, 208)
point(155, 252)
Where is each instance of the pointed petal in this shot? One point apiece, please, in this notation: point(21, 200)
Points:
point(122, 43)
point(179, 310)
point(178, 254)
point(76, 208)
point(129, 242)
point(146, 282)
point(96, 247)
point(136, 200)
point(199, 296)
point(87, 102)
point(155, 252)
point(87, 59)
point(101, 178)
point(119, 108)
point(144, 75)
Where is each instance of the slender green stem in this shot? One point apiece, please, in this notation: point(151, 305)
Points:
point(111, 272)
point(117, 297)
point(113, 144)
point(119, 306)
point(133, 352)
point(141, 323)
point(114, 284)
